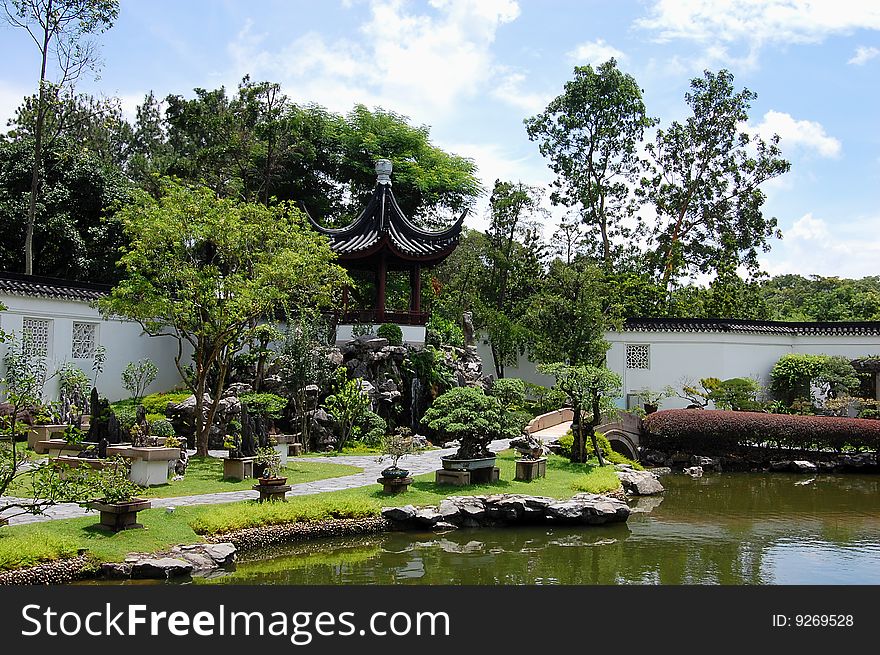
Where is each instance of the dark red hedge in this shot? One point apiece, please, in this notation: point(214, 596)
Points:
point(694, 429)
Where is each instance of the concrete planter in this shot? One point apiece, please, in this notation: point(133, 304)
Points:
point(120, 516)
point(150, 465)
point(451, 464)
point(39, 433)
point(238, 468)
point(531, 469)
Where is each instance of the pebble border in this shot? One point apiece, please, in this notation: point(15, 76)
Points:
point(273, 535)
point(62, 571)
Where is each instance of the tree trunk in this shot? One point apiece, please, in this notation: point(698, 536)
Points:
point(593, 423)
point(577, 447)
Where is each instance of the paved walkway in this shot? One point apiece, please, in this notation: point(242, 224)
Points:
point(424, 462)
point(551, 434)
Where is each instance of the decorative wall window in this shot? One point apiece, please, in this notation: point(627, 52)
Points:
point(35, 336)
point(83, 343)
point(638, 355)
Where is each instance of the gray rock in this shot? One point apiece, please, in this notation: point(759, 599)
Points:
point(399, 514)
point(160, 568)
point(641, 483)
point(782, 465)
point(803, 466)
point(704, 462)
point(427, 516)
point(588, 509)
point(694, 471)
point(444, 526)
point(238, 388)
point(660, 470)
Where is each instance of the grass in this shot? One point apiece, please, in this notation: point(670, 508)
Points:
point(204, 475)
point(26, 545)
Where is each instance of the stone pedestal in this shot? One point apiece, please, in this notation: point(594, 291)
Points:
point(79, 462)
point(120, 516)
point(394, 485)
point(149, 466)
point(282, 450)
point(271, 492)
point(238, 468)
point(531, 469)
point(294, 449)
point(39, 433)
point(455, 478)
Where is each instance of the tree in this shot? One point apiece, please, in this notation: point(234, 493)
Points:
point(58, 28)
point(204, 271)
point(139, 375)
point(566, 317)
point(589, 390)
point(348, 405)
point(705, 183)
point(591, 135)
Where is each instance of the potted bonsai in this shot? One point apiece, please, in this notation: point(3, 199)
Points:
point(45, 424)
point(269, 458)
point(395, 446)
point(651, 399)
point(468, 415)
point(118, 502)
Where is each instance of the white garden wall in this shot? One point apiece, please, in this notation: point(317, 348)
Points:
point(124, 342)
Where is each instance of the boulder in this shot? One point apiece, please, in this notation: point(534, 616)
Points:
point(588, 509)
point(694, 471)
point(160, 568)
point(640, 483)
point(399, 514)
point(427, 516)
point(803, 466)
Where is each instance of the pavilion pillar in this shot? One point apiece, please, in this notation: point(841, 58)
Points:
point(415, 289)
point(381, 274)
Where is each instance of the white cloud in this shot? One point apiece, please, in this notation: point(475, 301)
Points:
point(714, 23)
point(863, 55)
point(817, 246)
point(798, 134)
point(595, 53)
point(780, 21)
point(511, 90)
point(11, 98)
point(421, 63)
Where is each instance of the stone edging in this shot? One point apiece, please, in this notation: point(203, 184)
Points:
point(61, 571)
point(272, 535)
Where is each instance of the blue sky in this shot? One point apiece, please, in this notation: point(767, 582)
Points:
point(472, 70)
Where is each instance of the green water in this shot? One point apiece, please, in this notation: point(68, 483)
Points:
point(719, 529)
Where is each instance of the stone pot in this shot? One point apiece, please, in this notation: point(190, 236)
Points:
point(649, 408)
point(270, 482)
point(394, 472)
point(451, 464)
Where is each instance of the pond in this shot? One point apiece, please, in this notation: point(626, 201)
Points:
point(732, 528)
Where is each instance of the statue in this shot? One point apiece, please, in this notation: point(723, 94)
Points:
point(467, 326)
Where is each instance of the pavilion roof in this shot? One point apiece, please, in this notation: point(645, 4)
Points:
point(382, 226)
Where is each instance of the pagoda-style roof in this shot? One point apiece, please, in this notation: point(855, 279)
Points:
point(382, 228)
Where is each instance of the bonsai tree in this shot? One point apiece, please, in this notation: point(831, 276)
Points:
point(112, 486)
point(396, 446)
point(269, 458)
point(589, 390)
point(468, 415)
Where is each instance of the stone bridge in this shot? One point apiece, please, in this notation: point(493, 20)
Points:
point(623, 431)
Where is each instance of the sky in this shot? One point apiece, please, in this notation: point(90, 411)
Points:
point(472, 70)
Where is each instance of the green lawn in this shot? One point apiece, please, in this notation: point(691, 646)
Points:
point(26, 545)
point(205, 476)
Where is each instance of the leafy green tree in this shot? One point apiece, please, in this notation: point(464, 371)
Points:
point(706, 183)
point(139, 375)
point(204, 271)
point(590, 391)
point(817, 298)
point(591, 134)
point(348, 405)
point(60, 30)
point(468, 415)
point(566, 317)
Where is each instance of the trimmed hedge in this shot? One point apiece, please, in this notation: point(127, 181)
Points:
point(701, 430)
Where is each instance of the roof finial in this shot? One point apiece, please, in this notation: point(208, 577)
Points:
point(383, 170)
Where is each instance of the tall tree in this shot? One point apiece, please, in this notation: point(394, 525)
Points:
point(705, 186)
point(60, 30)
point(591, 135)
point(203, 271)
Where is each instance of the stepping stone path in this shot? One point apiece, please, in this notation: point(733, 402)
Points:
point(424, 462)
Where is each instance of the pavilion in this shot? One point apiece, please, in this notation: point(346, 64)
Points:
point(383, 239)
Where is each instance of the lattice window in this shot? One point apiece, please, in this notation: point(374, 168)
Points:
point(638, 355)
point(35, 333)
point(83, 344)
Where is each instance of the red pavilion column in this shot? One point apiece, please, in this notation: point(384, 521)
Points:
point(381, 274)
point(415, 287)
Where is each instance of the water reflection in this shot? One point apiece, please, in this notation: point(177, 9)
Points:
point(718, 529)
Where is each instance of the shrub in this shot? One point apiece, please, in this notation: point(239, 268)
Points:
point(370, 429)
point(510, 392)
point(264, 404)
point(737, 394)
point(793, 374)
point(137, 376)
point(391, 332)
point(125, 414)
point(157, 403)
point(567, 441)
point(162, 428)
point(726, 431)
point(443, 332)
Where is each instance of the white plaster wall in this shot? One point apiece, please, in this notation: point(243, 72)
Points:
point(124, 342)
point(412, 334)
